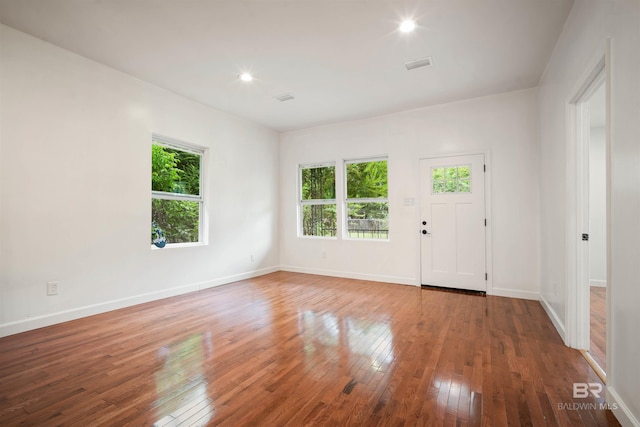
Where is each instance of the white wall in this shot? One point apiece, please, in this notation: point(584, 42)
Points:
point(582, 41)
point(504, 125)
point(597, 208)
point(75, 188)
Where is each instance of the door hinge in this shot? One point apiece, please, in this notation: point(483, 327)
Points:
point(485, 167)
point(486, 276)
point(485, 222)
point(585, 237)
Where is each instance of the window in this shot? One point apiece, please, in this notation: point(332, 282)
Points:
point(318, 200)
point(367, 203)
point(177, 202)
point(451, 179)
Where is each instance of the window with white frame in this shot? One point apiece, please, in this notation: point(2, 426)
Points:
point(177, 196)
point(317, 206)
point(366, 201)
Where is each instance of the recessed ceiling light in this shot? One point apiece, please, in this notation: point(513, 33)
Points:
point(245, 77)
point(408, 25)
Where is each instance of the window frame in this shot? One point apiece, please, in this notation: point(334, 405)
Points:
point(347, 199)
point(176, 144)
point(314, 202)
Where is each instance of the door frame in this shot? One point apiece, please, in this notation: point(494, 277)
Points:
point(487, 209)
point(577, 317)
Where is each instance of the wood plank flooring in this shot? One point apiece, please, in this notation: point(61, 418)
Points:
point(598, 329)
point(293, 349)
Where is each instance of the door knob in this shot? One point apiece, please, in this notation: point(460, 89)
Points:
point(424, 231)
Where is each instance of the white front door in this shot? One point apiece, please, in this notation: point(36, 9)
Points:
point(452, 209)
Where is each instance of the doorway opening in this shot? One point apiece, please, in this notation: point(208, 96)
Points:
point(588, 257)
point(597, 227)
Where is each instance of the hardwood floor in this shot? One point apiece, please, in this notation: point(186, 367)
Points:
point(598, 329)
point(294, 349)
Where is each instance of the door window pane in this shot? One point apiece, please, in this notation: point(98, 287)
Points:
point(451, 179)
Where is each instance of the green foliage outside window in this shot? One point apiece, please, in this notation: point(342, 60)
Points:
point(451, 179)
point(318, 184)
point(178, 219)
point(367, 218)
point(367, 180)
point(367, 200)
point(177, 172)
point(319, 220)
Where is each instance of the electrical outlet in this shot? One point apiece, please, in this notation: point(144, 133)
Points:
point(52, 288)
point(324, 255)
point(251, 257)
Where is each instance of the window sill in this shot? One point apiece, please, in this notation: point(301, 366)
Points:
point(178, 245)
point(318, 237)
point(363, 239)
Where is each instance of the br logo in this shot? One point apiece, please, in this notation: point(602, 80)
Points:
point(582, 390)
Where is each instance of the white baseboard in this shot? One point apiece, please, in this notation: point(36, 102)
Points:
point(598, 283)
point(620, 409)
point(238, 277)
point(76, 313)
point(352, 275)
point(514, 293)
point(554, 317)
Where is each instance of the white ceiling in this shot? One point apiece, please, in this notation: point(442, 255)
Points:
point(340, 59)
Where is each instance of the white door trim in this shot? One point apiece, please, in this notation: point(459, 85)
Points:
point(577, 253)
point(487, 207)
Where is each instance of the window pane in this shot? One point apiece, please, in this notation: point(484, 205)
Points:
point(437, 174)
point(368, 220)
point(464, 186)
point(367, 180)
point(319, 220)
point(175, 171)
point(450, 186)
point(438, 187)
point(319, 183)
point(178, 219)
point(454, 179)
point(450, 173)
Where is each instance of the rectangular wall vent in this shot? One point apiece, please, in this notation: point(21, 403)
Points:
point(284, 97)
point(418, 63)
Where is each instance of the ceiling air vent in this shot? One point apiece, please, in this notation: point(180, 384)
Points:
point(418, 63)
point(284, 97)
